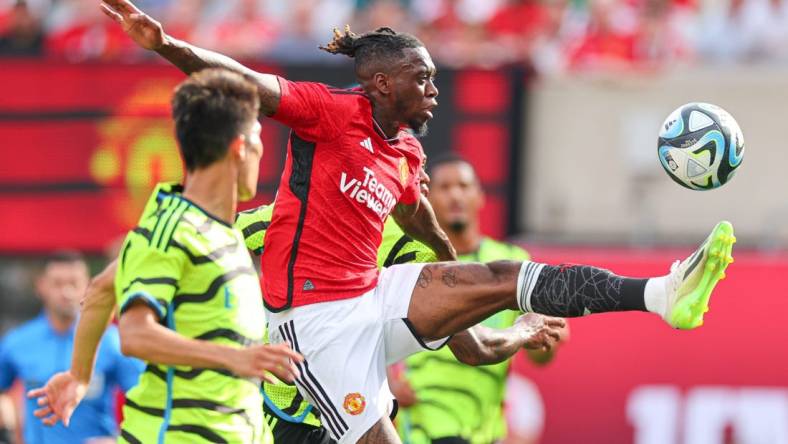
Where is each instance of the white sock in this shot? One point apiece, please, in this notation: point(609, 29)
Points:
point(526, 281)
point(655, 296)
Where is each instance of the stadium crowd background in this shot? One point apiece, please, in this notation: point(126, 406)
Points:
point(568, 163)
point(550, 36)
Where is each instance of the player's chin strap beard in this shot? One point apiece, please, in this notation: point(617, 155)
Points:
point(418, 129)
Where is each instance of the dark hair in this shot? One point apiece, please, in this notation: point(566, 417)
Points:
point(380, 45)
point(64, 256)
point(211, 108)
point(445, 158)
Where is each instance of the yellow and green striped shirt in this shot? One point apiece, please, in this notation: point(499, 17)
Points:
point(457, 400)
point(194, 271)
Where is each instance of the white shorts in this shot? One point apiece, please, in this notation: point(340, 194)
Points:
point(347, 345)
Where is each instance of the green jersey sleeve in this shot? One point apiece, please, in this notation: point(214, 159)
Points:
point(147, 274)
point(517, 254)
point(252, 224)
point(399, 248)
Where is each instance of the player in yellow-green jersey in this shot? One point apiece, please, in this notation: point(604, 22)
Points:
point(190, 303)
point(453, 402)
point(189, 298)
point(191, 271)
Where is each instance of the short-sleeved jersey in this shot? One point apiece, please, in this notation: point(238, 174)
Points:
point(342, 178)
point(95, 415)
point(282, 401)
point(194, 271)
point(457, 400)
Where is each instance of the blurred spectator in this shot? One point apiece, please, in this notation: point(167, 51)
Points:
point(610, 38)
point(667, 31)
point(552, 36)
point(456, 35)
point(183, 18)
point(385, 13)
point(298, 42)
point(21, 33)
point(520, 26)
point(78, 31)
point(245, 31)
point(743, 30)
point(61, 284)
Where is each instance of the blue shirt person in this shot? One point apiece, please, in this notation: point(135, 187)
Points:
point(39, 348)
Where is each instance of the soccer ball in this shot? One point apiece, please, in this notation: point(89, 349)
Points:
point(700, 146)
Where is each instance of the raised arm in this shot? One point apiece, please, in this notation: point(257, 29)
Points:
point(480, 345)
point(420, 223)
point(149, 34)
point(58, 398)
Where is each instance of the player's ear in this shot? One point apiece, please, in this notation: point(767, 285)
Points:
point(382, 82)
point(237, 147)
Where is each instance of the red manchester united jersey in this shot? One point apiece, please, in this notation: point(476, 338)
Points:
point(341, 180)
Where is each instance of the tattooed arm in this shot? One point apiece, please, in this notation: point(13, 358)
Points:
point(419, 222)
point(480, 345)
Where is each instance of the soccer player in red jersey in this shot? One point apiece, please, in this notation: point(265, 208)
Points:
point(351, 163)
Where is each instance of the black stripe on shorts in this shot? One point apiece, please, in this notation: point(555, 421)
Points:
point(331, 417)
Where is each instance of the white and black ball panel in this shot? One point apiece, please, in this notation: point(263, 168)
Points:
point(700, 145)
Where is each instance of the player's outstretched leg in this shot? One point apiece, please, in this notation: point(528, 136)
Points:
point(691, 281)
point(450, 297)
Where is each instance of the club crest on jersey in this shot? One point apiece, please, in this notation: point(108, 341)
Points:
point(354, 404)
point(404, 173)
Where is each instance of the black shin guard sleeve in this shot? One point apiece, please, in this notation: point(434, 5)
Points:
point(578, 290)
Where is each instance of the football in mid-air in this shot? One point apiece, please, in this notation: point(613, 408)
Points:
point(700, 146)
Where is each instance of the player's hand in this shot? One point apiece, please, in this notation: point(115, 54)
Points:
point(58, 398)
point(399, 385)
point(145, 31)
point(401, 389)
point(257, 361)
point(539, 332)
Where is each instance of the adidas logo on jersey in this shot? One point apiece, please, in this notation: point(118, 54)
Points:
point(367, 145)
point(308, 285)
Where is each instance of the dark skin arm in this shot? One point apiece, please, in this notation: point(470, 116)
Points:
point(418, 221)
point(149, 34)
point(480, 345)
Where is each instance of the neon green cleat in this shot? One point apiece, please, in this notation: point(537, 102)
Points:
point(691, 281)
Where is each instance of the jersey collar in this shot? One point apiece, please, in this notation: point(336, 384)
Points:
point(379, 130)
